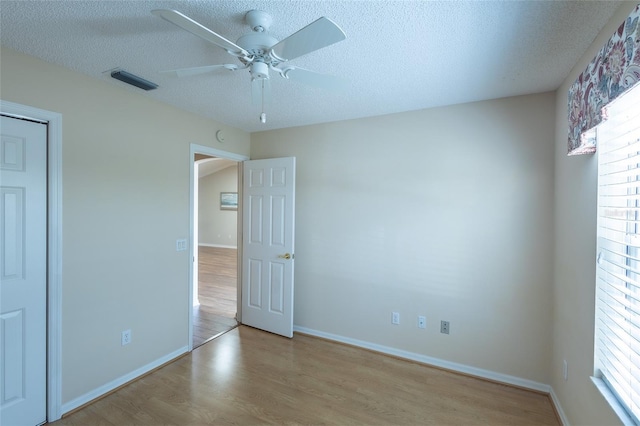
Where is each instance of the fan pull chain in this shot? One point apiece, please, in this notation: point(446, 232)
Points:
point(263, 116)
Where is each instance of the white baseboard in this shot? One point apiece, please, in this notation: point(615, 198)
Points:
point(217, 245)
point(436, 362)
point(114, 384)
point(559, 410)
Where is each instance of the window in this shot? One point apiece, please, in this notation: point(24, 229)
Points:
point(617, 326)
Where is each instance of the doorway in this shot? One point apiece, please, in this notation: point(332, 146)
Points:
point(215, 303)
point(214, 274)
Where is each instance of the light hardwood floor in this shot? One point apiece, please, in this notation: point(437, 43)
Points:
point(251, 377)
point(217, 292)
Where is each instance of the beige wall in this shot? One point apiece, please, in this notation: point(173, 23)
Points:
point(446, 212)
point(125, 202)
point(575, 247)
point(215, 226)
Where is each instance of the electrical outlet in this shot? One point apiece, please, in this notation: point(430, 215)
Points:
point(422, 322)
point(565, 369)
point(126, 337)
point(395, 318)
point(444, 327)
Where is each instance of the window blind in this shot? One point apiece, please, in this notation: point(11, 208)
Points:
point(617, 334)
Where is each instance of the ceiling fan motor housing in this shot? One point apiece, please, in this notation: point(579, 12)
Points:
point(257, 44)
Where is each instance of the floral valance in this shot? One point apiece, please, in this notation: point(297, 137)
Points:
point(614, 70)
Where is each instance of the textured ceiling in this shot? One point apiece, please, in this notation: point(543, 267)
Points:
point(398, 55)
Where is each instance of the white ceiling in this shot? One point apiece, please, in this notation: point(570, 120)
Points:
point(398, 55)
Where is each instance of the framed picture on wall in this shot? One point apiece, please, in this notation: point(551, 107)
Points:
point(228, 201)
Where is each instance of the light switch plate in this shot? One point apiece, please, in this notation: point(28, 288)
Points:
point(181, 245)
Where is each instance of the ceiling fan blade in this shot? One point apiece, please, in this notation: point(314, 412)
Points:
point(199, 30)
point(315, 79)
point(318, 34)
point(261, 92)
point(188, 72)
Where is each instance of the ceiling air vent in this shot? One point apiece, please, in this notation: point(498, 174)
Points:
point(133, 80)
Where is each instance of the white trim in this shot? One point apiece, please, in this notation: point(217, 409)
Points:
point(436, 362)
point(206, 150)
point(54, 248)
point(123, 380)
point(217, 246)
point(556, 402)
point(617, 408)
point(199, 149)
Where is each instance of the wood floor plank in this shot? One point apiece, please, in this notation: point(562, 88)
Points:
point(247, 376)
point(217, 293)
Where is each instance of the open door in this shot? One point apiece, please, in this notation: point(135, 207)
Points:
point(268, 244)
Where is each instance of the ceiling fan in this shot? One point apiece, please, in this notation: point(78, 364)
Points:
point(260, 53)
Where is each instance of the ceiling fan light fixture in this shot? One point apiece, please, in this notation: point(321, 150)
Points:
point(259, 71)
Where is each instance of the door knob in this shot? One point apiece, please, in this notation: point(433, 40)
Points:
point(285, 256)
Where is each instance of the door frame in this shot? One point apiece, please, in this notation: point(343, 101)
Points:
point(54, 247)
point(214, 152)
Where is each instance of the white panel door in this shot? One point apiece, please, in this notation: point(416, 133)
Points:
point(23, 285)
point(268, 204)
